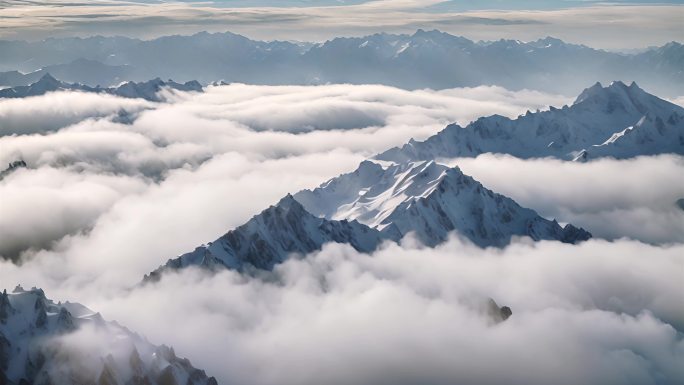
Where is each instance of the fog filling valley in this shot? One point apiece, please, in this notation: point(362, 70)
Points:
point(114, 187)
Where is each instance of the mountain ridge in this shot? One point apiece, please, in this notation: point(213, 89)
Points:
point(148, 90)
point(578, 132)
point(431, 209)
point(270, 237)
point(424, 59)
point(430, 200)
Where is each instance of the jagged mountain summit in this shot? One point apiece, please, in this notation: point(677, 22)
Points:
point(430, 200)
point(42, 342)
point(373, 204)
point(148, 90)
point(424, 59)
point(617, 121)
point(271, 237)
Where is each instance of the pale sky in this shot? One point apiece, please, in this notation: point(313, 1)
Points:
point(610, 25)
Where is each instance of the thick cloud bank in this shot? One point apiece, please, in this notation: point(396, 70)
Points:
point(110, 193)
point(633, 198)
point(224, 154)
point(596, 313)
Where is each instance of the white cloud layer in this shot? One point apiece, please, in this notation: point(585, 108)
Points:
point(102, 203)
point(633, 198)
point(595, 313)
point(225, 154)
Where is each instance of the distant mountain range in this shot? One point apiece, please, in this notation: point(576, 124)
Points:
point(425, 59)
point(618, 121)
point(39, 344)
point(148, 90)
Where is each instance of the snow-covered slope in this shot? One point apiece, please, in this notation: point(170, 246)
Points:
point(42, 342)
point(430, 200)
point(146, 90)
point(272, 236)
point(368, 206)
point(619, 121)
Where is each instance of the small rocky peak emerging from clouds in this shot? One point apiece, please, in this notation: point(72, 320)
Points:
point(680, 203)
point(13, 166)
point(496, 313)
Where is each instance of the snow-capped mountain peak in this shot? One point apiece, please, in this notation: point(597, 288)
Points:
point(43, 342)
point(430, 200)
point(617, 95)
point(574, 132)
point(271, 237)
point(372, 192)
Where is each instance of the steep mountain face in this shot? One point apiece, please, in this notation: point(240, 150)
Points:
point(618, 121)
point(271, 237)
point(368, 206)
point(430, 200)
point(42, 342)
point(424, 59)
point(146, 90)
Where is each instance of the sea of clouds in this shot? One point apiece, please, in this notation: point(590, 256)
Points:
point(117, 186)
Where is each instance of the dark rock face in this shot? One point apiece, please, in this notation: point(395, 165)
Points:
point(65, 322)
point(572, 234)
point(41, 313)
point(13, 166)
point(5, 307)
point(506, 312)
point(680, 203)
point(496, 313)
point(5, 351)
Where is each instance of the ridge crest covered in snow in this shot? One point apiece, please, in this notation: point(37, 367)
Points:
point(618, 121)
